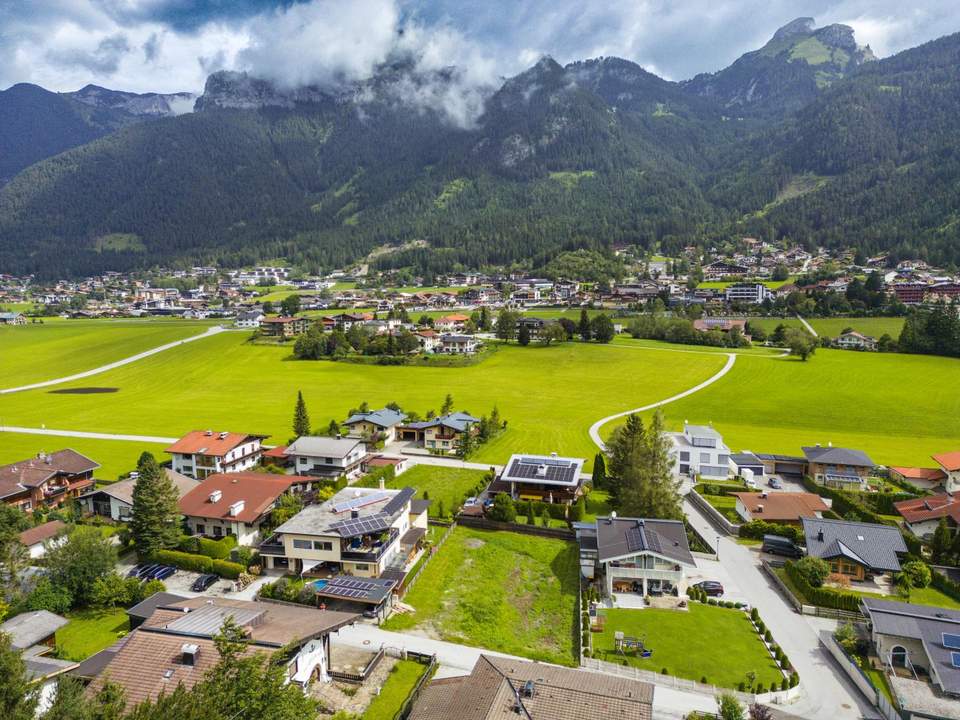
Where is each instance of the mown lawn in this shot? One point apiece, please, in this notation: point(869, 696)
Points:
point(548, 395)
point(726, 505)
point(918, 596)
point(36, 352)
point(891, 406)
point(501, 591)
point(116, 457)
point(873, 326)
point(710, 642)
point(395, 691)
point(89, 632)
point(447, 485)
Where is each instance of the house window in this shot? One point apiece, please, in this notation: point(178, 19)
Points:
point(361, 566)
point(322, 545)
point(201, 529)
point(704, 457)
point(302, 544)
point(685, 456)
point(217, 531)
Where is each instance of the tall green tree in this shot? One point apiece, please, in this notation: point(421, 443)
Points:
point(601, 328)
point(301, 419)
point(13, 555)
point(621, 448)
point(643, 470)
point(584, 327)
point(18, 698)
point(599, 471)
point(78, 562)
point(506, 324)
point(155, 519)
point(523, 335)
point(290, 305)
point(447, 406)
point(940, 547)
point(801, 343)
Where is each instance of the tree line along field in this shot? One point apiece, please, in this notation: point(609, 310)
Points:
point(35, 352)
point(548, 395)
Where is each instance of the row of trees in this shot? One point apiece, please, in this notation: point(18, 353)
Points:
point(598, 328)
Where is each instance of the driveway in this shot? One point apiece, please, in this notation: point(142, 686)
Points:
point(827, 694)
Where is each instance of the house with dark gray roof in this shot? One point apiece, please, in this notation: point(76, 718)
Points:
point(442, 433)
point(854, 549)
point(919, 647)
point(37, 627)
point(541, 478)
point(838, 467)
point(634, 555)
point(327, 457)
point(375, 425)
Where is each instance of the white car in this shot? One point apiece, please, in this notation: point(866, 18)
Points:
point(470, 502)
point(751, 483)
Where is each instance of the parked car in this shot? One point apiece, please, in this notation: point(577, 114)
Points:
point(779, 545)
point(750, 483)
point(711, 587)
point(470, 502)
point(135, 570)
point(203, 582)
point(163, 573)
point(145, 570)
point(488, 503)
point(775, 483)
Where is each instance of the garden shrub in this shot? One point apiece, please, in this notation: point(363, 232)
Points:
point(226, 569)
point(824, 597)
point(918, 572)
point(784, 684)
point(756, 529)
point(812, 569)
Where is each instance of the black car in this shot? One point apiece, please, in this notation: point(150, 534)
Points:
point(711, 587)
point(203, 582)
point(779, 545)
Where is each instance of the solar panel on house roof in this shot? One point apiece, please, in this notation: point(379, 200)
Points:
point(362, 526)
point(398, 501)
point(636, 539)
point(951, 641)
point(359, 502)
point(550, 470)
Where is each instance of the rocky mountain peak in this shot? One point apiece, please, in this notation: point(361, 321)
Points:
point(800, 26)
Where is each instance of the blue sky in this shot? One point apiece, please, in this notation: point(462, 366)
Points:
point(169, 45)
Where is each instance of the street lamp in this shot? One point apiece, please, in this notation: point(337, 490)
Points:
point(718, 548)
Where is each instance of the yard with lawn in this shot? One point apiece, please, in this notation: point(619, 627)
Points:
point(726, 505)
point(446, 485)
point(35, 352)
point(89, 632)
point(548, 395)
point(705, 641)
point(918, 596)
point(501, 591)
point(400, 683)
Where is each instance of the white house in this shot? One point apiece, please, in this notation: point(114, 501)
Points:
point(36, 539)
point(326, 456)
point(950, 463)
point(458, 344)
point(750, 293)
point(634, 555)
point(700, 450)
point(855, 341)
point(249, 319)
point(205, 452)
point(116, 499)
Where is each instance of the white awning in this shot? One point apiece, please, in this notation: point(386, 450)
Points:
point(309, 565)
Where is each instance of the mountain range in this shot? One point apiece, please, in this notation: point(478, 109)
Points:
point(809, 138)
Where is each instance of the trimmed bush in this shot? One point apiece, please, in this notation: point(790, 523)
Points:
point(756, 529)
point(754, 614)
point(784, 684)
point(227, 569)
point(794, 680)
point(824, 597)
point(184, 561)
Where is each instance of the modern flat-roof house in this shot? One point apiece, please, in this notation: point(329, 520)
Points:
point(921, 645)
point(786, 466)
point(205, 452)
point(326, 456)
point(175, 645)
point(747, 461)
point(47, 480)
point(542, 478)
point(233, 504)
point(783, 508)
point(838, 467)
point(375, 425)
point(922, 515)
point(854, 549)
point(35, 539)
point(749, 293)
point(115, 500)
point(359, 531)
point(950, 463)
point(499, 688)
point(440, 433)
point(633, 555)
point(700, 451)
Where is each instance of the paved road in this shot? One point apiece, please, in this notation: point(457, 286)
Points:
point(83, 434)
point(439, 460)
point(808, 326)
point(827, 694)
point(112, 366)
point(595, 428)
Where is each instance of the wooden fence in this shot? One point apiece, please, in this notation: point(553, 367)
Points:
point(362, 675)
point(411, 581)
point(429, 660)
point(547, 532)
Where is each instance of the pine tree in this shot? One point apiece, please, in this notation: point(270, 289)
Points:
point(18, 699)
point(941, 542)
point(301, 420)
point(523, 336)
point(648, 487)
point(585, 334)
point(447, 406)
point(621, 451)
point(155, 519)
point(599, 471)
point(333, 429)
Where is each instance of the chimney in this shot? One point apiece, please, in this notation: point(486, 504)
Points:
point(759, 509)
point(189, 653)
point(215, 496)
point(223, 435)
point(553, 455)
point(820, 535)
point(208, 433)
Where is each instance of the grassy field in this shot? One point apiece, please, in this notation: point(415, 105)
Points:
point(891, 406)
point(400, 683)
point(831, 327)
point(918, 596)
point(723, 284)
point(116, 457)
point(498, 590)
point(726, 506)
point(715, 643)
point(89, 632)
point(32, 353)
point(548, 395)
point(443, 484)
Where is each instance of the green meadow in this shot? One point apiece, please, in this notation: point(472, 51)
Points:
point(548, 395)
point(35, 352)
point(831, 327)
point(894, 407)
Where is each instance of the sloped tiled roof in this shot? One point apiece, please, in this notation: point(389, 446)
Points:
point(214, 444)
point(874, 546)
point(827, 455)
point(933, 507)
point(617, 537)
point(33, 472)
point(30, 628)
point(782, 505)
point(384, 418)
point(258, 491)
point(43, 532)
point(948, 461)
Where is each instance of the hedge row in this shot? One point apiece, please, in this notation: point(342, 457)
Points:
point(557, 511)
point(721, 489)
point(945, 585)
point(824, 597)
point(198, 563)
point(216, 549)
point(756, 529)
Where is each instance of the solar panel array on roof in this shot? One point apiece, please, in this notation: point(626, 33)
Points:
point(398, 501)
point(362, 526)
point(636, 539)
point(951, 641)
point(545, 469)
point(359, 502)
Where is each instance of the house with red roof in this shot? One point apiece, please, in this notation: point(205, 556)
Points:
point(204, 452)
point(923, 514)
point(233, 504)
point(452, 323)
point(950, 463)
point(922, 478)
point(46, 480)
